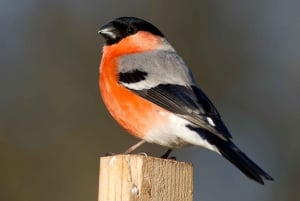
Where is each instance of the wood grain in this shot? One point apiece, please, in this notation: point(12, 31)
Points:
point(137, 177)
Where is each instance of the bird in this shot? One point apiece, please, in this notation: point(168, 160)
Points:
point(150, 91)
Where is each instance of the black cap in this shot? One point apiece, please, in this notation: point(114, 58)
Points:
point(122, 27)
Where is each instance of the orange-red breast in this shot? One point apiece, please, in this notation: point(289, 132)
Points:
point(149, 91)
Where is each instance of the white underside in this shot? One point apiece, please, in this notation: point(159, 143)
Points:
point(176, 134)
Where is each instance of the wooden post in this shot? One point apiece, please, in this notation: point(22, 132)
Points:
point(143, 178)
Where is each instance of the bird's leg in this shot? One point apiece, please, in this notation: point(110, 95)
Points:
point(166, 155)
point(132, 148)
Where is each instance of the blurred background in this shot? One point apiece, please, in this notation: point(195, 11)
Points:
point(54, 126)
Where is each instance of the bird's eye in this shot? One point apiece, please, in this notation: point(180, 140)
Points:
point(131, 30)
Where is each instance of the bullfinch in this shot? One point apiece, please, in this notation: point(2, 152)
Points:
point(149, 91)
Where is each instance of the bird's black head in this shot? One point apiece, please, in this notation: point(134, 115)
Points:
point(122, 27)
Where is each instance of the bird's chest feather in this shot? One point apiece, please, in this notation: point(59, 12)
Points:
point(134, 113)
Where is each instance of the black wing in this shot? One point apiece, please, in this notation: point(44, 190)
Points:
point(189, 103)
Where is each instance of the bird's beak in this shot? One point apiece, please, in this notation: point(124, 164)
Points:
point(108, 31)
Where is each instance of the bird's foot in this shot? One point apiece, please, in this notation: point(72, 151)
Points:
point(114, 154)
point(166, 155)
point(110, 154)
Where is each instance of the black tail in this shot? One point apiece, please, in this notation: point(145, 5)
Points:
point(242, 162)
point(234, 155)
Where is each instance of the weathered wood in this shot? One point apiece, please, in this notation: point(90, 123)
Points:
point(137, 177)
